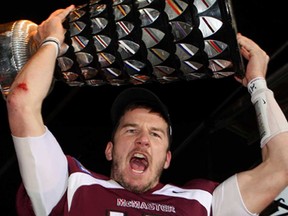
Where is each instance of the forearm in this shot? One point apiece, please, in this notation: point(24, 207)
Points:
point(34, 80)
point(271, 119)
point(28, 92)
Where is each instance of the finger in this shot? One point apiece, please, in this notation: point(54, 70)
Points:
point(66, 11)
point(246, 46)
point(62, 13)
point(243, 80)
point(245, 53)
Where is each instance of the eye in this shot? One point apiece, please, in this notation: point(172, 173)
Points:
point(154, 134)
point(131, 130)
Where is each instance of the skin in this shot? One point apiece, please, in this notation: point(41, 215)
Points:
point(32, 85)
point(261, 185)
point(141, 131)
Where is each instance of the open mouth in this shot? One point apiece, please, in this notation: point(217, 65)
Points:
point(138, 163)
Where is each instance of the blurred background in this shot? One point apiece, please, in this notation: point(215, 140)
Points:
point(214, 124)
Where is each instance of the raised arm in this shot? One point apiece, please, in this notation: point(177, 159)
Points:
point(261, 185)
point(42, 163)
point(33, 82)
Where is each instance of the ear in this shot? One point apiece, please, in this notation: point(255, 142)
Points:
point(168, 159)
point(108, 151)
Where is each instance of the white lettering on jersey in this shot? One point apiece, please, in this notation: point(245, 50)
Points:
point(143, 205)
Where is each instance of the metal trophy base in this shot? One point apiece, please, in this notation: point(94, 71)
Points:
point(16, 47)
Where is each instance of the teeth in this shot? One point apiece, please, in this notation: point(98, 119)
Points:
point(137, 171)
point(138, 155)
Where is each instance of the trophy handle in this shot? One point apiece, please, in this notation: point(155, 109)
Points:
point(16, 47)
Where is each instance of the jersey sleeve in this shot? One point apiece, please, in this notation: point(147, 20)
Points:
point(43, 168)
point(227, 199)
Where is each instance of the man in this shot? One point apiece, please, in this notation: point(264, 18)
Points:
point(56, 184)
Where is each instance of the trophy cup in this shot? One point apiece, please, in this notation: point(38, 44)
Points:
point(124, 42)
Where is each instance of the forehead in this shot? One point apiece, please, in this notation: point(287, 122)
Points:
point(142, 111)
point(142, 116)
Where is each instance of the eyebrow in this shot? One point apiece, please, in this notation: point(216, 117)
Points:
point(136, 125)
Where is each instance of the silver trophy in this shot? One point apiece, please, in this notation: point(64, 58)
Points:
point(134, 42)
point(16, 46)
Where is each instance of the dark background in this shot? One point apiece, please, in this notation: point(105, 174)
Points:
point(215, 130)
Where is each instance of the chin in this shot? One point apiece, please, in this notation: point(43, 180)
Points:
point(136, 186)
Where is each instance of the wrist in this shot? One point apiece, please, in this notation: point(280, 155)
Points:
point(256, 84)
point(54, 41)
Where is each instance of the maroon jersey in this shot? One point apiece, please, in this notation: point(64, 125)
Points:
point(89, 193)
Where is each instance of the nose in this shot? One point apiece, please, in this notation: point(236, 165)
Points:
point(143, 138)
